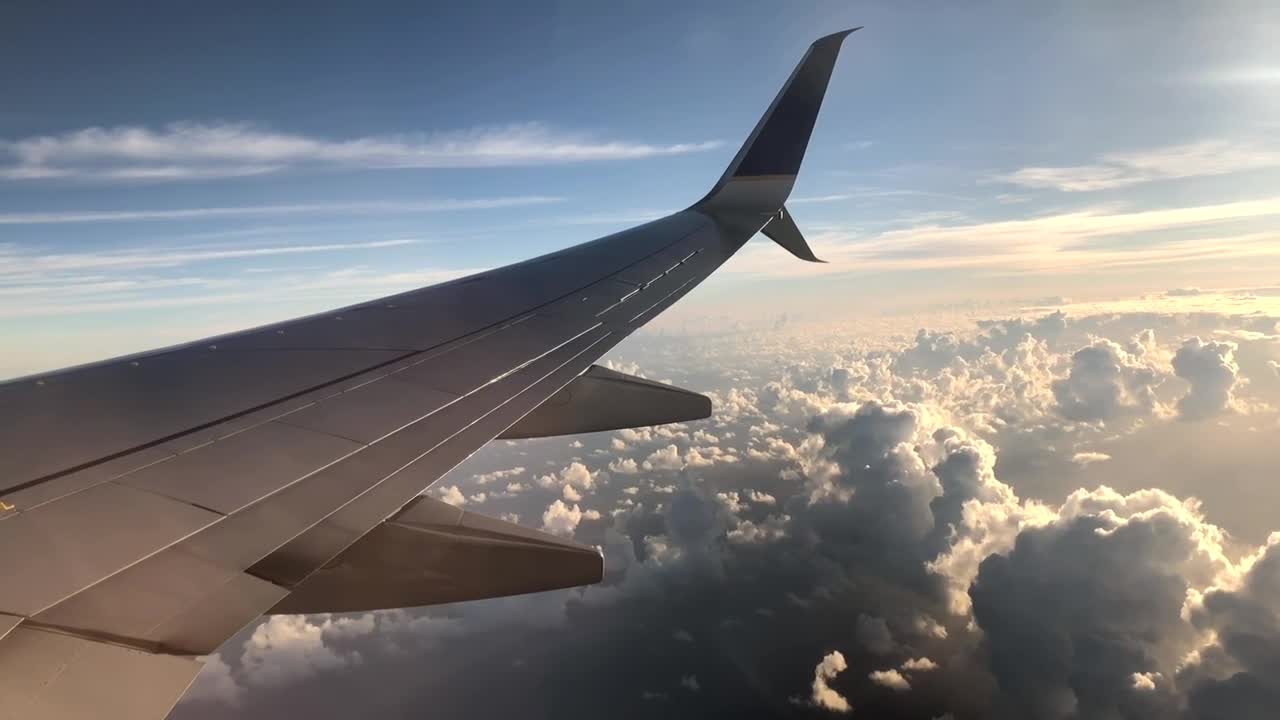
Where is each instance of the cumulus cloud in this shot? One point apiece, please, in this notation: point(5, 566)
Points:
point(892, 530)
point(452, 495)
point(562, 519)
point(1106, 382)
point(1211, 369)
point(666, 458)
point(891, 679)
point(923, 664)
point(823, 696)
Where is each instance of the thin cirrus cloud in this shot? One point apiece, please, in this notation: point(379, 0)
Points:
point(358, 208)
point(14, 262)
point(194, 151)
point(1123, 169)
point(1051, 243)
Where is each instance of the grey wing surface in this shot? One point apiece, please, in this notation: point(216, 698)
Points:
point(152, 506)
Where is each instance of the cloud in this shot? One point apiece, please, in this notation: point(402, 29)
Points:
point(1101, 593)
point(891, 679)
point(624, 466)
point(873, 635)
point(1122, 169)
point(216, 683)
point(452, 495)
point(193, 151)
point(575, 480)
point(1235, 674)
point(1106, 382)
point(823, 696)
point(667, 458)
point(904, 542)
point(561, 519)
point(1088, 458)
point(923, 664)
point(1071, 241)
point(1211, 369)
point(337, 208)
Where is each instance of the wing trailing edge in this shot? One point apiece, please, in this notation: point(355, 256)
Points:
point(431, 553)
point(603, 399)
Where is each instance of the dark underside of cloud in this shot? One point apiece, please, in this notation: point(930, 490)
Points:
point(912, 532)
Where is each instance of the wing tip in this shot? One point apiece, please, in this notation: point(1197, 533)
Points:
point(838, 35)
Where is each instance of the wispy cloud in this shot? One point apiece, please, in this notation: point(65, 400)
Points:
point(1116, 170)
point(1050, 243)
point(193, 151)
point(426, 206)
point(17, 262)
point(818, 199)
point(310, 292)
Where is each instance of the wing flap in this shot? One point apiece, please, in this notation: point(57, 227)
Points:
point(434, 553)
point(51, 676)
point(602, 399)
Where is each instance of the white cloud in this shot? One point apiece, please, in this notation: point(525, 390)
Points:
point(1088, 458)
point(891, 679)
point(1144, 681)
point(561, 519)
point(206, 213)
point(667, 458)
point(771, 529)
point(822, 695)
point(452, 495)
point(1121, 169)
point(690, 682)
point(922, 664)
point(1106, 382)
point(624, 466)
point(486, 478)
point(1211, 369)
point(192, 151)
point(929, 627)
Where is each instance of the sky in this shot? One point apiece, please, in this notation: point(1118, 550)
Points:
point(171, 175)
point(1007, 455)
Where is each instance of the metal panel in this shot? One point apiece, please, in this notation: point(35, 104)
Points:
point(431, 554)
point(233, 472)
point(206, 624)
point(48, 491)
point(512, 398)
point(62, 546)
point(602, 399)
point(172, 601)
point(370, 411)
point(49, 676)
point(591, 301)
point(489, 358)
point(123, 405)
point(8, 623)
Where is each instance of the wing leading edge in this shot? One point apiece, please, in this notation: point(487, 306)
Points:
point(279, 469)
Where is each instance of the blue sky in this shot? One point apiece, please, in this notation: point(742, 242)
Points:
point(170, 174)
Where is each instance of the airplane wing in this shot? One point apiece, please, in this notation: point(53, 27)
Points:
point(151, 506)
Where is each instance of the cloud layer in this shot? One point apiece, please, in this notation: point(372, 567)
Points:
point(195, 151)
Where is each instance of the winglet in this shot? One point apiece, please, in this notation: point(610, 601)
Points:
point(763, 172)
point(782, 230)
